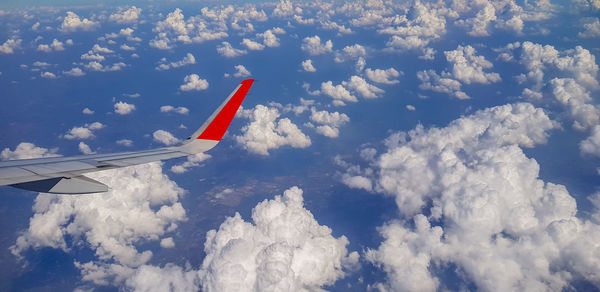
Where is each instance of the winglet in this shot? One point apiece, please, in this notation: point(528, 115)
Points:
point(216, 125)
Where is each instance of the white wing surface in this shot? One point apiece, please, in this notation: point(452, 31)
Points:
point(64, 175)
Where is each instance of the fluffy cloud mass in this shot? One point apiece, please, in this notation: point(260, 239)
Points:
point(84, 132)
point(27, 150)
point(488, 212)
point(123, 108)
point(193, 82)
point(72, 22)
point(164, 137)
point(267, 131)
point(312, 45)
point(283, 248)
point(141, 206)
point(129, 15)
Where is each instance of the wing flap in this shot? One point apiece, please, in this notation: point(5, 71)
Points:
point(62, 185)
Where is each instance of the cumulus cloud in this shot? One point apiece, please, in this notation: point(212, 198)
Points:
point(591, 145)
point(283, 248)
point(9, 46)
point(56, 45)
point(361, 86)
point(129, 15)
point(486, 13)
point(312, 45)
point(192, 161)
point(169, 108)
point(87, 111)
point(164, 137)
point(307, 65)
point(430, 80)
point(486, 207)
point(225, 49)
point(468, 67)
point(84, 132)
point(97, 66)
point(591, 29)
point(48, 75)
point(141, 206)
point(123, 108)
point(350, 52)
point(329, 122)
point(193, 82)
point(72, 22)
point(577, 100)
point(125, 142)
point(241, 71)
point(175, 28)
point(189, 59)
point(85, 148)
point(270, 38)
point(75, 72)
point(26, 150)
point(252, 45)
point(383, 76)
point(267, 131)
point(338, 92)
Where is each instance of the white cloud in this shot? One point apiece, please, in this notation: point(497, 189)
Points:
point(577, 63)
point(164, 137)
point(140, 207)
point(129, 15)
point(313, 46)
point(577, 100)
point(285, 8)
point(48, 75)
point(87, 111)
point(363, 87)
point(468, 67)
point(96, 66)
point(44, 48)
point(27, 150)
point(85, 148)
point(193, 82)
point(169, 108)
point(167, 242)
point(283, 248)
point(487, 209)
point(123, 108)
point(84, 132)
point(72, 22)
point(76, 72)
point(125, 142)
point(479, 23)
point(125, 47)
point(337, 92)
point(192, 161)
point(410, 107)
point(350, 52)
point(308, 66)
point(591, 29)
point(270, 38)
point(430, 80)
point(267, 131)
point(189, 59)
point(252, 45)
point(9, 46)
point(591, 145)
point(383, 76)
point(241, 71)
point(225, 49)
point(329, 122)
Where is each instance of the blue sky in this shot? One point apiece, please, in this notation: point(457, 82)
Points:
point(385, 145)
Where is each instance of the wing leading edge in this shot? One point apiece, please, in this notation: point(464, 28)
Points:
point(64, 175)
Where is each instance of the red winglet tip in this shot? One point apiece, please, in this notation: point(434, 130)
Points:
point(217, 128)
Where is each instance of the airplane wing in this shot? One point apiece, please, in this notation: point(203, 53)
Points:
point(64, 175)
